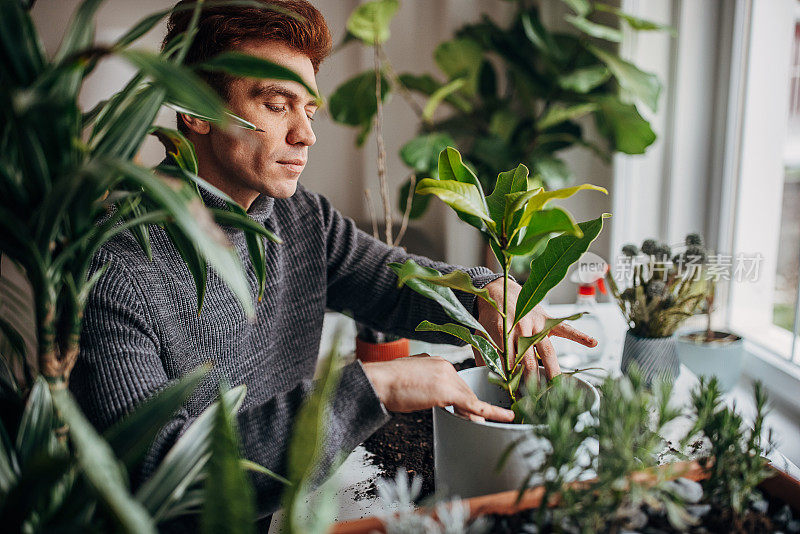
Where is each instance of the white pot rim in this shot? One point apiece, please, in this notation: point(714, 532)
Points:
point(448, 411)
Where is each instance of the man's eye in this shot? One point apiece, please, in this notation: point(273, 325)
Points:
point(276, 109)
point(310, 117)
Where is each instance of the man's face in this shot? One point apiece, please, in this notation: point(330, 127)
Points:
point(268, 162)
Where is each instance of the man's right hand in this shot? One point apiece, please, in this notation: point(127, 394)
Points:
point(421, 382)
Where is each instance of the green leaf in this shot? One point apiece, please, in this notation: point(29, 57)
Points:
point(541, 225)
point(636, 23)
point(451, 167)
point(185, 461)
point(550, 170)
point(464, 198)
point(580, 7)
point(196, 223)
point(307, 445)
point(9, 465)
point(538, 35)
point(195, 263)
point(490, 355)
point(540, 201)
point(131, 437)
point(235, 119)
point(23, 54)
point(257, 468)
point(422, 152)
point(370, 21)
point(35, 434)
point(551, 266)
point(243, 222)
point(460, 58)
point(593, 29)
point(643, 85)
point(503, 124)
point(439, 95)
point(101, 467)
point(624, 127)
point(178, 146)
point(80, 32)
point(247, 66)
point(444, 296)
point(458, 280)
point(354, 102)
point(508, 182)
point(182, 85)
point(558, 114)
point(584, 79)
point(228, 501)
point(526, 342)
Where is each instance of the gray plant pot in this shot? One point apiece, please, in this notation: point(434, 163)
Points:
point(466, 453)
point(722, 360)
point(655, 357)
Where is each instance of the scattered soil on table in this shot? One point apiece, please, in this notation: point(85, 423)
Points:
point(406, 441)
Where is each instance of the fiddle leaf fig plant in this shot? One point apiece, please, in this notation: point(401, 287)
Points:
point(515, 220)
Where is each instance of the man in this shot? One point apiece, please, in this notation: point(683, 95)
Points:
point(142, 328)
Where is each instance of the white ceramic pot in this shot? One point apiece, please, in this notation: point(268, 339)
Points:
point(466, 453)
point(723, 360)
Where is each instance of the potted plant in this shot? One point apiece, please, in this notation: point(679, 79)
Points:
point(659, 296)
point(724, 490)
point(710, 352)
point(68, 184)
point(516, 220)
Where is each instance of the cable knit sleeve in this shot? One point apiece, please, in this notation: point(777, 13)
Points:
point(120, 366)
point(360, 281)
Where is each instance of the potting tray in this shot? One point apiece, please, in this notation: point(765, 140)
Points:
point(355, 481)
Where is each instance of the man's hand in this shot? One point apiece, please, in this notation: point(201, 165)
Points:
point(528, 326)
point(422, 382)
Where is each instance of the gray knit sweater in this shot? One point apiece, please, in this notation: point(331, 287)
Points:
point(142, 330)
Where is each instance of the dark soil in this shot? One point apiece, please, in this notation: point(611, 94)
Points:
point(406, 441)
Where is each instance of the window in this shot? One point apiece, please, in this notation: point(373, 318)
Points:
point(763, 299)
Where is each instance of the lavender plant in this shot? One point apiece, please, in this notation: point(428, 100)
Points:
point(516, 221)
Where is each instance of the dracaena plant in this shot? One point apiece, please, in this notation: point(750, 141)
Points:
point(516, 221)
point(68, 182)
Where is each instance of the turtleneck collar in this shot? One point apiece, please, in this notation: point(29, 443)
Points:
point(260, 209)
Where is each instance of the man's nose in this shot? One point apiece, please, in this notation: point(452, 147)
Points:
point(300, 132)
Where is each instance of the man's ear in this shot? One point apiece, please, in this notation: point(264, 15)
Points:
point(198, 126)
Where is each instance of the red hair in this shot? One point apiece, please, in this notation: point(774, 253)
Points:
point(295, 23)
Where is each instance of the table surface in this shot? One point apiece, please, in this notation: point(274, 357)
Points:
point(357, 473)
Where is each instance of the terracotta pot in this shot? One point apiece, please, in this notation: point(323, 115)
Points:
point(381, 352)
point(780, 486)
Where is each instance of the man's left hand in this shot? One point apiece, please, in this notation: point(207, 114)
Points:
point(529, 325)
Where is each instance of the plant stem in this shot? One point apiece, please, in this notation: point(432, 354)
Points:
point(387, 210)
point(506, 329)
